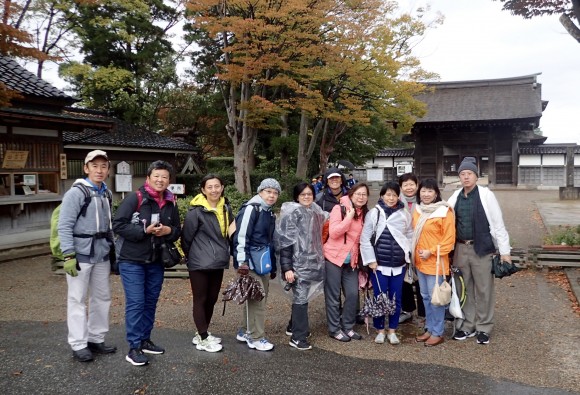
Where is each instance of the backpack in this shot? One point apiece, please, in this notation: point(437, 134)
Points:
point(57, 254)
point(325, 226)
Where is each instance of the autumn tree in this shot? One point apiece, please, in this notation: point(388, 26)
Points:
point(305, 60)
point(14, 43)
point(569, 11)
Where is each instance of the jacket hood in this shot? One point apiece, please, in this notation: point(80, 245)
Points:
point(200, 200)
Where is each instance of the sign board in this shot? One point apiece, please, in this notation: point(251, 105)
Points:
point(177, 189)
point(374, 175)
point(14, 159)
point(123, 183)
point(29, 179)
point(63, 168)
point(402, 169)
point(123, 168)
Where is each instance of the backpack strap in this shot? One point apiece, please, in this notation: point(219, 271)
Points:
point(87, 201)
point(139, 199)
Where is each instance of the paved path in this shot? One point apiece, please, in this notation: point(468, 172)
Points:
point(536, 340)
point(34, 361)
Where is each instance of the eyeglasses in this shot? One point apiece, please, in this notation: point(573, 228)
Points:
point(305, 194)
point(360, 194)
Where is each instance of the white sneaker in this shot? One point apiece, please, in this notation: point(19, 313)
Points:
point(380, 339)
point(206, 345)
point(393, 339)
point(405, 316)
point(213, 339)
point(241, 335)
point(261, 345)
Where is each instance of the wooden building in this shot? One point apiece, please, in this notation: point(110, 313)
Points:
point(43, 142)
point(486, 119)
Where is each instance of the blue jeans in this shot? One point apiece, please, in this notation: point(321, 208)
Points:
point(434, 315)
point(142, 284)
point(392, 286)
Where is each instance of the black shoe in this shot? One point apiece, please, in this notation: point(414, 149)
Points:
point(482, 338)
point(353, 335)
point(83, 355)
point(462, 335)
point(360, 319)
point(136, 357)
point(288, 330)
point(300, 345)
point(340, 336)
point(147, 346)
point(101, 348)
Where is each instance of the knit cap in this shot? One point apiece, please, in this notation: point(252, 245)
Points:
point(269, 183)
point(468, 163)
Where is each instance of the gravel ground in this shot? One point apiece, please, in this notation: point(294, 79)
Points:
point(536, 340)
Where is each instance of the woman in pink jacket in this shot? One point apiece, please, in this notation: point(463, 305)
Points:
point(341, 253)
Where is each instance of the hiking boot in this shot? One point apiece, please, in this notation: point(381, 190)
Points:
point(83, 355)
point(393, 339)
point(101, 348)
point(208, 345)
point(261, 345)
point(482, 338)
point(213, 339)
point(380, 338)
point(462, 335)
point(300, 345)
point(136, 357)
point(353, 335)
point(241, 335)
point(340, 336)
point(405, 316)
point(147, 346)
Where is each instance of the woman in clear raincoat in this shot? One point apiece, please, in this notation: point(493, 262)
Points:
point(299, 242)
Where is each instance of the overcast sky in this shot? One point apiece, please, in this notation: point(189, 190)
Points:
point(480, 41)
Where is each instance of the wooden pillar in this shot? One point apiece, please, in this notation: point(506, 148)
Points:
point(491, 173)
point(417, 152)
point(570, 167)
point(515, 158)
point(439, 159)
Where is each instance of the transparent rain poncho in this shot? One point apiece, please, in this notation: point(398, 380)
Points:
point(301, 228)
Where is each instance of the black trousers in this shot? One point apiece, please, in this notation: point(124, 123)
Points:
point(299, 322)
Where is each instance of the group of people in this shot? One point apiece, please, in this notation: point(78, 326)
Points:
point(324, 243)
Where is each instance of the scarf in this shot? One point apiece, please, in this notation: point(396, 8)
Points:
point(426, 210)
point(161, 199)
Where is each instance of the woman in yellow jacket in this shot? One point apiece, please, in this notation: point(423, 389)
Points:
point(434, 224)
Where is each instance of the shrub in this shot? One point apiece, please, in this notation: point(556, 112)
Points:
point(564, 235)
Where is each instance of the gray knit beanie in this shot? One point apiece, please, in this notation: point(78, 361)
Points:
point(468, 163)
point(269, 183)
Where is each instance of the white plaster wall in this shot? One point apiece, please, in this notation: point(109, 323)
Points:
point(554, 160)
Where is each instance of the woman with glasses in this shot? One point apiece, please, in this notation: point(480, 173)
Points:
point(205, 242)
point(341, 253)
point(299, 241)
point(385, 249)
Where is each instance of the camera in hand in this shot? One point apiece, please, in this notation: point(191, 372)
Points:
point(289, 285)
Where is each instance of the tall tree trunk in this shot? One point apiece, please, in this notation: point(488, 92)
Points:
point(329, 138)
point(284, 160)
point(305, 145)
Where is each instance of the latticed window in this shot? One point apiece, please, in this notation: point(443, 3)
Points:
point(75, 168)
point(140, 168)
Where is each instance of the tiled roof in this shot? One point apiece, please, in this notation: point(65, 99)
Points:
point(18, 79)
point(124, 135)
point(395, 152)
point(498, 99)
point(547, 149)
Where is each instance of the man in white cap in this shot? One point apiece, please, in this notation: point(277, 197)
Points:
point(84, 230)
point(255, 225)
point(334, 189)
point(480, 231)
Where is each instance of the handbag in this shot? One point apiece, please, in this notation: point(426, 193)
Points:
point(170, 255)
point(455, 304)
point(441, 295)
point(261, 260)
point(501, 269)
